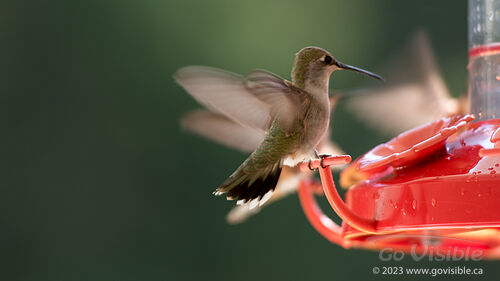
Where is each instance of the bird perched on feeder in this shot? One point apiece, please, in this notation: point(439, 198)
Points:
point(295, 115)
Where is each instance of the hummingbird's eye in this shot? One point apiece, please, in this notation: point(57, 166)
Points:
point(328, 59)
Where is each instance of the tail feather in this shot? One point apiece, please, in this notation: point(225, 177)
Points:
point(245, 187)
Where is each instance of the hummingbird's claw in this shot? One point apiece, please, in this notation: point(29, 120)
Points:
point(323, 156)
point(309, 166)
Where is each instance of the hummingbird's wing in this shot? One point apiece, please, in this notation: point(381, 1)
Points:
point(415, 93)
point(253, 101)
point(223, 130)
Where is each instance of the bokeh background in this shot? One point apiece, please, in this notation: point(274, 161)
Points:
point(97, 180)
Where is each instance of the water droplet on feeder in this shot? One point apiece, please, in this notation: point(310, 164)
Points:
point(433, 202)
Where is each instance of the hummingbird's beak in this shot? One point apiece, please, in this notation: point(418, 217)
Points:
point(362, 71)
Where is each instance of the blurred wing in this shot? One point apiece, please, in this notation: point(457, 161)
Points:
point(241, 213)
point(220, 129)
point(252, 101)
point(416, 93)
point(397, 109)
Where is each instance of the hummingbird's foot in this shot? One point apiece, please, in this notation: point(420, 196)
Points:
point(309, 166)
point(322, 157)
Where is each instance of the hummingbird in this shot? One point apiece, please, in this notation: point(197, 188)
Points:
point(294, 114)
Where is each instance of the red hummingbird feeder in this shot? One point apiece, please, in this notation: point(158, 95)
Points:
point(435, 187)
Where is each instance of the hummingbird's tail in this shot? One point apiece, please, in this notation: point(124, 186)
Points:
point(248, 183)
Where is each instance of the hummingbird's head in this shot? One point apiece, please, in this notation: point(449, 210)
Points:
point(314, 66)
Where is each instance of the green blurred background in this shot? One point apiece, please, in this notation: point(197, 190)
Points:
point(98, 182)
